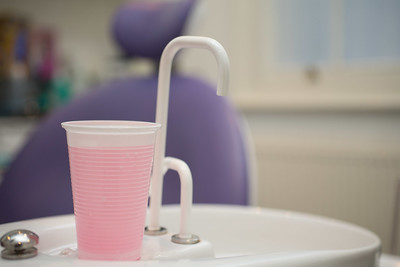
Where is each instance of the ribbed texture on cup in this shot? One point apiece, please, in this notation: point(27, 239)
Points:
point(110, 191)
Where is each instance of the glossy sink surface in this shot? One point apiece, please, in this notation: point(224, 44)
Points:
point(240, 236)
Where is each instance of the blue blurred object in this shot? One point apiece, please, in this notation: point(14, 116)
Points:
point(144, 28)
point(372, 30)
point(203, 130)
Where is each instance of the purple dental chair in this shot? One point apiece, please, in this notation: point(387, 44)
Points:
point(203, 128)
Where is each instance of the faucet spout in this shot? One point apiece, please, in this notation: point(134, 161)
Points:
point(164, 77)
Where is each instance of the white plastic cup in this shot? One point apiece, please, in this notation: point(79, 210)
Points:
point(111, 164)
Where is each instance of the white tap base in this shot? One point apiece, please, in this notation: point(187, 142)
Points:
point(161, 248)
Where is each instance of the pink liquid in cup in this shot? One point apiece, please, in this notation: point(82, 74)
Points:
point(110, 191)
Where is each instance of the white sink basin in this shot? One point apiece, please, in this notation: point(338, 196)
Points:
point(241, 236)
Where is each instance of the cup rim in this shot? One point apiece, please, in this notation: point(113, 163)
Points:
point(109, 126)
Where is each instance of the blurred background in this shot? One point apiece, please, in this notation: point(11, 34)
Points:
point(317, 81)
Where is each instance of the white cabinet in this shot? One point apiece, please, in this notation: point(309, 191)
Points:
point(344, 165)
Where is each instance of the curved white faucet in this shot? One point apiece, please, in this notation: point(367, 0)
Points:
point(164, 77)
point(185, 235)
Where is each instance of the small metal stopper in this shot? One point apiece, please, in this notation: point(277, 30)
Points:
point(160, 231)
point(19, 244)
point(192, 239)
